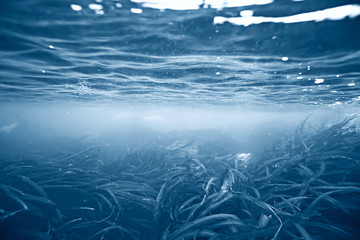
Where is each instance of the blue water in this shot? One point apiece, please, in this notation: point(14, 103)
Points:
point(174, 56)
point(164, 120)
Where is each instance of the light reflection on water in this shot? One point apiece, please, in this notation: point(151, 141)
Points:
point(336, 13)
point(156, 52)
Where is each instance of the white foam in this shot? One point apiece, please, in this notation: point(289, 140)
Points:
point(235, 3)
point(95, 6)
point(195, 4)
point(336, 13)
point(246, 13)
point(100, 12)
point(76, 7)
point(136, 10)
point(319, 80)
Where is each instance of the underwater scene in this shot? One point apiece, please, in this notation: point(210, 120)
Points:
point(179, 120)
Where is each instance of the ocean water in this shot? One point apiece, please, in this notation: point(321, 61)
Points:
point(184, 119)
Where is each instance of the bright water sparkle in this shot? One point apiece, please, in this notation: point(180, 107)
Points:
point(135, 52)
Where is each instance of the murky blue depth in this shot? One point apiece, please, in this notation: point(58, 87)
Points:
point(202, 119)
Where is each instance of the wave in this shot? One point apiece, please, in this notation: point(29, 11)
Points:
point(177, 57)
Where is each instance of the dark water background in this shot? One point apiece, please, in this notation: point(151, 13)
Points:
point(131, 120)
